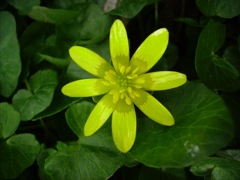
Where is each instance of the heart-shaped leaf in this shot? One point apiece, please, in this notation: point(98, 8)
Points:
point(42, 86)
point(9, 120)
point(203, 125)
point(17, 153)
point(82, 162)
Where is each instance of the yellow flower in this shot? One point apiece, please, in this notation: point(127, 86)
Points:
point(124, 84)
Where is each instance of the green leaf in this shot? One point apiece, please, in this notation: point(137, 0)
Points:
point(233, 154)
point(59, 103)
point(54, 16)
point(24, 6)
point(77, 115)
point(189, 21)
point(10, 63)
point(129, 9)
point(83, 27)
point(9, 120)
point(232, 55)
point(222, 8)
point(43, 154)
point(214, 71)
point(42, 86)
point(82, 162)
point(168, 60)
point(217, 168)
point(62, 63)
point(32, 42)
point(202, 126)
point(17, 153)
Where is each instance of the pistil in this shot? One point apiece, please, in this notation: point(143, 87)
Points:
point(124, 83)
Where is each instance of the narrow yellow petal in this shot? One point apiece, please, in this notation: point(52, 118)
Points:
point(89, 61)
point(162, 80)
point(150, 51)
point(152, 108)
point(124, 126)
point(119, 47)
point(99, 115)
point(85, 88)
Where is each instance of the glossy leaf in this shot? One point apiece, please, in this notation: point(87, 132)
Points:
point(217, 168)
point(77, 115)
point(83, 27)
point(233, 154)
point(61, 63)
point(32, 42)
point(214, 71)
point(129, 9)
point(43, 154)
point(42, 86)
point(24, 6)
point(9, 120)
point(59, 103)
point(222, 8)
point(10, 63)
point(82, 162)
point(202, 126)
point(54, 16)
point(17, 153)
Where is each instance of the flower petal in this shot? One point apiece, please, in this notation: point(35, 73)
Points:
point(119, 47)
point(85, 88)
point(150, 51)
point(99, 115)
point(124, 126)
point(163, 80)
point(152, 108)
point(89, 61)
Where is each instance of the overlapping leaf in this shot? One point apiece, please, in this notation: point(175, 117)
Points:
point(217, 168)
point(10, 64)
point(33, 101)
point(48, 15)
point(222, 8)
point(82, 162)
point(203, 125)
point(17, 153)
point(24, 6)
point(9, 120)
point(214, 71)
point(130, 9)
point(90, 26)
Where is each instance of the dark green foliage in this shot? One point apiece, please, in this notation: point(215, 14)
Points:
point(42, 130)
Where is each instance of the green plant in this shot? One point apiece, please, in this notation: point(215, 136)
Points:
point(41, 130)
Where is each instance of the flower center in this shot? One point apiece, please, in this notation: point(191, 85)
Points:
point(124, 83)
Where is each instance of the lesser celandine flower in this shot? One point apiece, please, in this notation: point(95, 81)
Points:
point(124, 84)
